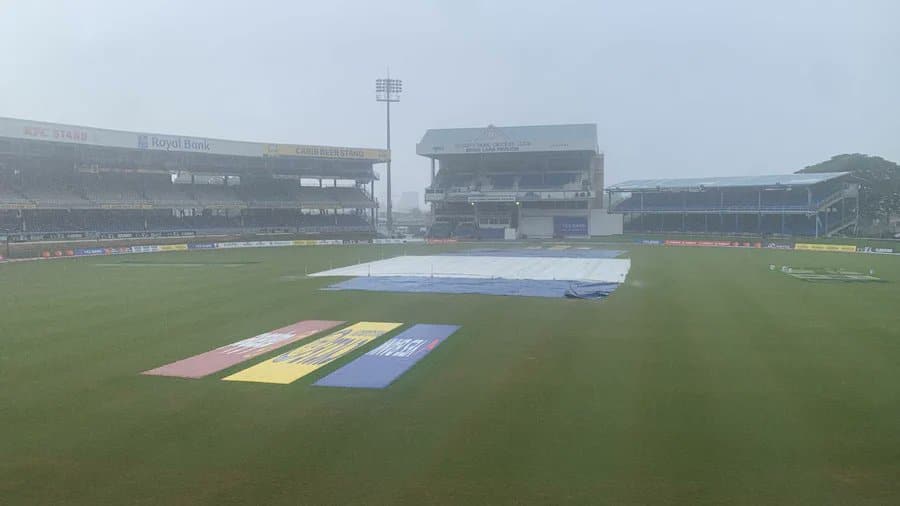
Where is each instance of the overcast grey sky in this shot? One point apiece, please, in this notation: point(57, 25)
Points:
point(687, 88)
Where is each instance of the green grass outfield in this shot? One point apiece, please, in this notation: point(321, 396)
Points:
point(707, 379)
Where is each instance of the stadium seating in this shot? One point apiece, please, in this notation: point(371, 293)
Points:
point(218, 195)
point(112, 189)
point(110, 203)
point(714, 201)
point(314, 197)
point(503, 181)
point(349, 197)
point(163, 192)
point(11, 196)
point(53, 193)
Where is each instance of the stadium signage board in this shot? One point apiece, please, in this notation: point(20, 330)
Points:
point(156, 248)
point(513, 139)
point(173, 247)
point(493, 197)
point(183, 144)
point(715, 244)
point(570, 226)
point(395, 241)
point(202, 245)
point(149, 248)
point(72, 134)
point(90, 251)
point(845, 248)
point(341, 153)
point(170, 143)
point(869, 249)
point(64, 134)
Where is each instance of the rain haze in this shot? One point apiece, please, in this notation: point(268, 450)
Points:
point(635, 252)
point(676, 88)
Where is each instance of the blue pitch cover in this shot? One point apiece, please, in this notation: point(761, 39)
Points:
point(381, 366)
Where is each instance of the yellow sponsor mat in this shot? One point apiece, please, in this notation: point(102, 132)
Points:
point(293, 365)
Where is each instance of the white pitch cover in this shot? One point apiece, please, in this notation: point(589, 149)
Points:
point(600, 270)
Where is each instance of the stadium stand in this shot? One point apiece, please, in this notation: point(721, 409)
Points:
point(793, 204)
point(504, 182)
point(64, 181)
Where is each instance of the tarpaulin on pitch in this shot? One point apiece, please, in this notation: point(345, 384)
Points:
point(226, 356)
point(381, 366)
point(596, 270)
point(293, 365)
point(539, 252)
point(516, 287)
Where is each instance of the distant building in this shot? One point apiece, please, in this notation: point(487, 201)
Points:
point(507, 182)
point(408, 200)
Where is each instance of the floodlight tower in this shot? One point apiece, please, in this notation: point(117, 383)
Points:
point(388, 90)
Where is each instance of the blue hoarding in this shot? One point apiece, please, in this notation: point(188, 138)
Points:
point(381, 366)
point(202, 245)
point(89, 251)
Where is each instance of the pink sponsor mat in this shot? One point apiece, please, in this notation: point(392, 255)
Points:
point(226, 356)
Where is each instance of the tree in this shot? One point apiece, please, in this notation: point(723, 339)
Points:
point(879, 181)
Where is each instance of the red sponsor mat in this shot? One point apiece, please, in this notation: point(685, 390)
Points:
point(226, 356)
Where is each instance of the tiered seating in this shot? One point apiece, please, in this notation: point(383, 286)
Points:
point(216, 195)
point(350, 197)
point(531, 181)
point(313, 196)
point(159, 221)
point(333, 223)
point(112, 189)
point(263, 194)
point(108, 203)
point(51, 193)
point(503, 181)
point(713, 201)
point(9, 221)
point(162, 192)
point(8, 195)
point(558, 180)
point(117, 222)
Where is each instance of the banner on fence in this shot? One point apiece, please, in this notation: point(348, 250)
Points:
point(845, 248)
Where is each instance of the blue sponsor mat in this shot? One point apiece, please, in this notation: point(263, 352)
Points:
point(517, 287)
point(575, 252)
point(381, 366)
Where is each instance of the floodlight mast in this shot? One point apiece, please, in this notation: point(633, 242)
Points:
point(388, 90)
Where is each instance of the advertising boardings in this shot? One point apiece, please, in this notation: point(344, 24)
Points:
point(342, 153)
point(714, 244)
point(570, 226)
point(72, 134)
point(870, 249)
point(845, 248)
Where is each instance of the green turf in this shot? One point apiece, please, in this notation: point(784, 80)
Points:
point(708, 379)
